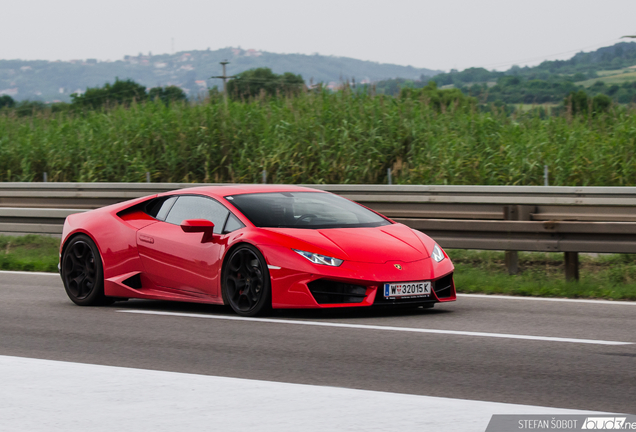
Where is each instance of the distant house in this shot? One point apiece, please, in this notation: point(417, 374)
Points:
point(253, 53)
point(9, 92)
point(160, 65)
point(201, 83)
point(247, 53)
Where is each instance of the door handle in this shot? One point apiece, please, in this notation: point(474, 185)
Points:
point(145, 238)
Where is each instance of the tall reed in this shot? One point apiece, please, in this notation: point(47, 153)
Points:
point(323, 137)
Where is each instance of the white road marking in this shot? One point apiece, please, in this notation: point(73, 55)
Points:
point(29, 273)
point(551, 299)
point(43, 395)
point(376, 327)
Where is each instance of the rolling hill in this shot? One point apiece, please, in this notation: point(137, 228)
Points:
point(191, 70)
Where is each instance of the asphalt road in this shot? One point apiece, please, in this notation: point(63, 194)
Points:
point(38, 321)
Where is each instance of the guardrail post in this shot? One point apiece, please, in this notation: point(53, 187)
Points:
point(516, 213)
point(511, 212)
point(571, 266)
point(512, 262)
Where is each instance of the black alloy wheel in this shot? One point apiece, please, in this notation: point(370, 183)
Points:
point(82, 272)
point(246, 283)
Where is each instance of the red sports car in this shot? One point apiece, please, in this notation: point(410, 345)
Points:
point(254, 247)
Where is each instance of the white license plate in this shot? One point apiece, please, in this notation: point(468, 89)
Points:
point(407, 289)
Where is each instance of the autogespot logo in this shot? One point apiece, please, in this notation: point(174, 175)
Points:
point(607, 423)
point(561, 422)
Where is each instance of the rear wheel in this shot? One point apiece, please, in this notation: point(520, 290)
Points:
point(82, 272)
point(246, 283)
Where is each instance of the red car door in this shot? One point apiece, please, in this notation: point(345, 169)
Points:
point(178, 260)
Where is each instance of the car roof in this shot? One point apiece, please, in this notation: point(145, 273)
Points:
point(221, 191)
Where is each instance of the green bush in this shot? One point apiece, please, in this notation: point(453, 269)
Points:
point(6, 101)
point(121, 92)
point(262, 81)
point(167, 94)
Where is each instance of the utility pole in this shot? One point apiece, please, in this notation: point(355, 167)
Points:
point(225, 78)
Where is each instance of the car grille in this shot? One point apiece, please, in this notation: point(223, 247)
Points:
point(326, 292)
point(443, 287)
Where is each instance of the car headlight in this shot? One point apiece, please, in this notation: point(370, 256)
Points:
point(319, 259)
point(437, 254)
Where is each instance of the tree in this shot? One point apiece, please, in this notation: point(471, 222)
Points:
point(6, 101)
point(28, 107)
point(580, 103)
point(121, 92)
point(439, 98)
point(254, 81)
point(167, 94)
point(601, 103)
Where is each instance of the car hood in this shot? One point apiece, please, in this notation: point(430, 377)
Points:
point(395, 242)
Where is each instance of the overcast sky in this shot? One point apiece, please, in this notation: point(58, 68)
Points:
point(440, 34)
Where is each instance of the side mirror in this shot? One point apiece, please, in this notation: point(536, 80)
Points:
point(199, 225)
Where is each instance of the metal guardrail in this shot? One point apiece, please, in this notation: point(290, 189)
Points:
point(511, 218)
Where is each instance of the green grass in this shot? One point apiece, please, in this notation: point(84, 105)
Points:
point(528, 107)
point(29, 253)
point(618, 76)
point(542, 274)
point(319, 138)
point(606, 73)
point(605, 277)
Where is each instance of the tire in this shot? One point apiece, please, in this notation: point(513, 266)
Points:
point(82, 273)
point(246, 285)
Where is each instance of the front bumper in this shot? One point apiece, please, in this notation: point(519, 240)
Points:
point(296, 284)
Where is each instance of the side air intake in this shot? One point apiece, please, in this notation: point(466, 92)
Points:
point(133, 281)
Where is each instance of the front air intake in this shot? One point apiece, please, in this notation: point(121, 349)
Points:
point(329, 292)
point(443, 287)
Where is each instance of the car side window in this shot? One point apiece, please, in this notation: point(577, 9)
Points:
point(232, 224)
point(160, 209)
point(198, 207)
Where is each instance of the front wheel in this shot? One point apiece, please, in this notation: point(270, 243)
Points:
point(246, 283)
point(82, 272)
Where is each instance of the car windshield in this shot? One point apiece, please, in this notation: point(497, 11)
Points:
point(312, 210)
